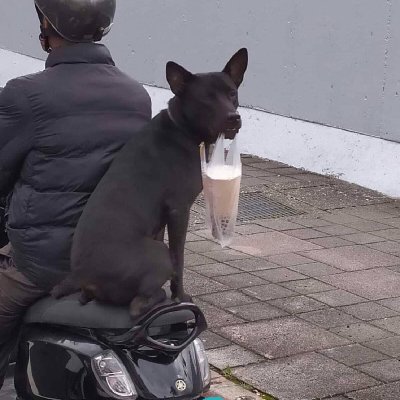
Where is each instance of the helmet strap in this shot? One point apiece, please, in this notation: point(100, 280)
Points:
point(44, 40)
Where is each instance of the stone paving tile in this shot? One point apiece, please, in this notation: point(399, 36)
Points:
point(281, 337)
point(232, 356)
point(278, 224)
point(336, 298)
point(202, 246)
point(353, 354)
point(307, 233)
point(329, 318)
point(289, 259)
point(265, 164)
point(316, 269)
point(287, 171)
point(240, 281)
point(228, 298)
point(392, 208)
point(393, 304)
point(282, 180)
point(336, 196)
point(257, 311)
point(352, 258)
point(309, 177)
point(386, 247)
point(279, 275)
point(389, 346)
point(250, 181)
point(197, 259)
point(391, 324)
point(366, 226)
point(394, 222)
point(371, 213)
point(212, 270)
point(196, 284)
point(252, 264)
point(372, 284)
point(258, 173)
point(389, 391)
point(390, 234)
point(385, 370)
point(205, 234)
point(361, 332)
point(330, 242)
point(395, 268)
point(226, 255)
point(307, 376)
point(217, 317)
point(268, 292)
point(307, 286)
point(363, 238)
point(192, 237)
point(336, 230)
point(213, 341)
point(249, 229)
point(369, 311)
point(310, 222)
point(297, 184)
point(270, 243)
point(337, 217)
point(298, 304)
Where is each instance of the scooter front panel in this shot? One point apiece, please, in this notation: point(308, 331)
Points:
point(164, 375)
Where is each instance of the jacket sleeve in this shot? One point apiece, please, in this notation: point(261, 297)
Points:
point(16, 134)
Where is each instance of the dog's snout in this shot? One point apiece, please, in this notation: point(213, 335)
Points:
point(234, 117)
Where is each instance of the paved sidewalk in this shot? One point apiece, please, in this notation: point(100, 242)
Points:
point(306, 306)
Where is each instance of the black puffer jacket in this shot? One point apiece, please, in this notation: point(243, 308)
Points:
point(59, 132)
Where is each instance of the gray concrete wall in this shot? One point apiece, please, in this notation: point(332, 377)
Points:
point(335, 62)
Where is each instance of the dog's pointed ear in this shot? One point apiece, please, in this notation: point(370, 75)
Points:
point(237, 66)
point(177, 77)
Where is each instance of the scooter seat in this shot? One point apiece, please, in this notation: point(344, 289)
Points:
point(69, 312)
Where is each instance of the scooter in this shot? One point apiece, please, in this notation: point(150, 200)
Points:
point(93, 352)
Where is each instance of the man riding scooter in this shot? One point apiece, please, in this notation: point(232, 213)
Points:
point(59, 132)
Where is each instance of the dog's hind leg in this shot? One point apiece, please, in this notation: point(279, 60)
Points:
point(68, 286)
point(141, 304)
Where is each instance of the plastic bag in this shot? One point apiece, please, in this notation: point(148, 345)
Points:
point(221, 188)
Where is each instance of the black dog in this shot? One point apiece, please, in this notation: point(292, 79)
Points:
point(118, 255)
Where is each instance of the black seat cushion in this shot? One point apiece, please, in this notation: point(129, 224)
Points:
point(69, 312)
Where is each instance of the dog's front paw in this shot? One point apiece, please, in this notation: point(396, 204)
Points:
point(183, 298)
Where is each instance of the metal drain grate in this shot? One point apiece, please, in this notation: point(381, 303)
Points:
point(256, 205)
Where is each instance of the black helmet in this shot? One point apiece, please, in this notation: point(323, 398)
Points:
point(79, 20)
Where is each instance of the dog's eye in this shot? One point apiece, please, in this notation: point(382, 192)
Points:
point(233, 93)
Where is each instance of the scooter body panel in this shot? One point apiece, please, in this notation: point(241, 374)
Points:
point(54, 363)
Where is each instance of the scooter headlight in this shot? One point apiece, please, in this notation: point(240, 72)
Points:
point(203, 362)
point(112, 376)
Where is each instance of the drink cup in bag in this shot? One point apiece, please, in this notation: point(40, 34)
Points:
point(221, 188)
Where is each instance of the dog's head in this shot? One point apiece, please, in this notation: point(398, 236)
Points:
point(208, 102)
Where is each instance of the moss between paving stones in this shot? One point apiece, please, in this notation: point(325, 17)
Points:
point(228, 374)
